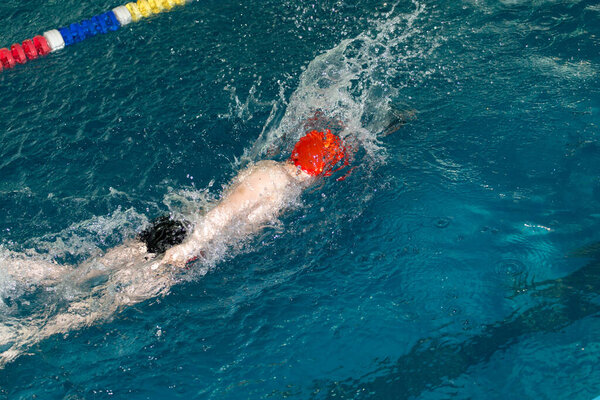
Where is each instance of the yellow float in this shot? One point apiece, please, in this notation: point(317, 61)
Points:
point(144, 8)
point(136, 15)
point(156, 6)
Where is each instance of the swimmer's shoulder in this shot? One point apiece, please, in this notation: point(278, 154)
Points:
point(267, 164)
point(282, 171)
point(257, 168)
point(286, 170)
point(264, 167)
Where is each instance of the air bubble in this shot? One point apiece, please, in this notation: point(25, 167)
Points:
point(442, 223)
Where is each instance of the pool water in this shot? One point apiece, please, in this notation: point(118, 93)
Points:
point(459, 260)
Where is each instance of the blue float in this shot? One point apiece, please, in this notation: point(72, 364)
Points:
point(66, 34)
point(112, 21)
point(77, 33)
point(88, 28)
point(99, 24)
point(56, 39)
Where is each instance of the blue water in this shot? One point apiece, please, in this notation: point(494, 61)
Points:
point(457, 262)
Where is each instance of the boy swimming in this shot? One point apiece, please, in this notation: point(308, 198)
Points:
point(259, 193)
point(255, 197)
point(147, 266)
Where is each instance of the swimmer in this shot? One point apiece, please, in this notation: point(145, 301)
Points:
point(147, 267)
point(255, 197)
point(258, 194)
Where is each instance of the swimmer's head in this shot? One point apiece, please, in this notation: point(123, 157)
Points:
point(317, 153)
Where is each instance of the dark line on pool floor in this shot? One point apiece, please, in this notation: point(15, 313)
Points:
point(433, 362)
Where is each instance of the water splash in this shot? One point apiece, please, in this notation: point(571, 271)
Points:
point(352, 87)
point(87, 238)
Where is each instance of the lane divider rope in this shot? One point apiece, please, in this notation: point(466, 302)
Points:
point(57, 39)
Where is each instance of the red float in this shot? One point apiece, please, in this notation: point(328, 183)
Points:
point(41, 45)
point(30, 50)
point(18, 53)
point(6, 58)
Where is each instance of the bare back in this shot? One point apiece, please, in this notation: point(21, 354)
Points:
point(255, 197)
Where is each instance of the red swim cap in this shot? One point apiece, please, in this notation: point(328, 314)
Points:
point(317, 153)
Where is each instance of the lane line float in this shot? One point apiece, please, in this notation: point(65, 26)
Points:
point(57, 39)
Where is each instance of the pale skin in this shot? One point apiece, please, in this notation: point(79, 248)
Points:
point(255, 197)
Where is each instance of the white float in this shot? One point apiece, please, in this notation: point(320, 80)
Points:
point(55, 40)
point(123, 15)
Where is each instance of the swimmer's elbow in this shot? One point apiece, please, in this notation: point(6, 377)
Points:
point(181, 254)
point(175, 256)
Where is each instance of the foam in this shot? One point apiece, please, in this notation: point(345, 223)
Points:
point(87, 238)
point(8, 284)
point(353, 85)
point(565, 69)
point(189, 204)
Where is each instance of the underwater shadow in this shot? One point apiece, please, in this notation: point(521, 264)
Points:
point(434, 360)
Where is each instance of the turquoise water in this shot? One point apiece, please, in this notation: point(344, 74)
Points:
point(448, 265)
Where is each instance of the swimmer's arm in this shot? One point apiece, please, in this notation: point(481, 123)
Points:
point(257, 187)
point(32, 270)
point(214, 222)
point(250, 188)
point(129, 253)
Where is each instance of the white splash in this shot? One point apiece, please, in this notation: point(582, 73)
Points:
point(352, 85)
